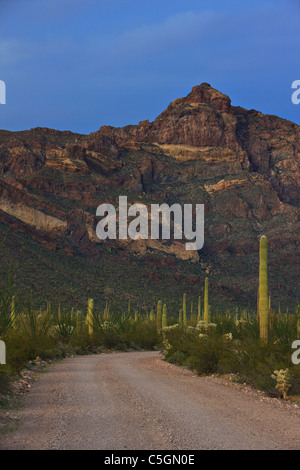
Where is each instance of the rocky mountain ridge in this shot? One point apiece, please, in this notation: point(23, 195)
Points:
point(242, 165)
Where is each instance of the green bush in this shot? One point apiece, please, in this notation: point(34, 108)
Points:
point(251, 360)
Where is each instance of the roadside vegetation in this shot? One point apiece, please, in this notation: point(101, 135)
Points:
point(254, 346)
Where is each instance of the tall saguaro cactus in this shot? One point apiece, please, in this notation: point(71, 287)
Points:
point(152, 315)
point(263, 290)
point(206, 306)
point(199, 309)
point(184, 309)
point(180, 317)
point(78, 322)
point(158, 317)
point(192, 311)
point(257, 305)
point(164, 322)
point(90, 316)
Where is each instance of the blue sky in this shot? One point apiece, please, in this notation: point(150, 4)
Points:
point(77, 65)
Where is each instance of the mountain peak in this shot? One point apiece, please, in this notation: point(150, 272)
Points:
point(197, 120)
point(204, 93)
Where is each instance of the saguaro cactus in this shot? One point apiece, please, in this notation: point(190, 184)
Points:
point(257, 305)
point(180, 317)
point(158, 317)
point(78, 322)
point(184, 309)
point(164, 321)
point(199, 309)
point(90, 316)
point(152, 315)
point(263, 290)
point(192, 311)
point(206, 306)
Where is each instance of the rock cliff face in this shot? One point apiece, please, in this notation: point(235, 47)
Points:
point(243, 165)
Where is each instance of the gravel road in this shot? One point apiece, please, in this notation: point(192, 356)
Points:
point(131, 401)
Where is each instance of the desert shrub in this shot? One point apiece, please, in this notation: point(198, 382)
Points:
point(255, 362)
point(22, 348)
point(54, 353)
point(143, 335)
point(7, 293)
point(295, 380)
point(34, 325)
point(201, 354)
point(251, 360)
point(177, 357)
point(240, 329)
point(204, 358)
point(283, 328)
point(63, 322)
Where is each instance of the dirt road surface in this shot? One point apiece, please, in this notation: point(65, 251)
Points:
point(131, 401)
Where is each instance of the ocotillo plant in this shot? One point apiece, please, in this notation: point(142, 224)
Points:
point(164, 321)
point(184, 309)
point(129, 315)
point(13, 312)
point(206, 306)
point(106, 312)
point(263, 290)
point(158, 317)
point(90, 316)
